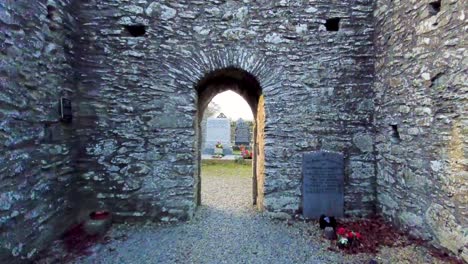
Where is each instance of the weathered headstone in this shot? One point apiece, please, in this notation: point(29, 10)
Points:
point(242, 136)
point(218, 130)
point(322, 185)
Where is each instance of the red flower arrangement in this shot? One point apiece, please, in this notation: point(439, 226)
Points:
point(245, 153)
point(347, 238)
point(373, 234)
point(358, 235)
point(341, 231)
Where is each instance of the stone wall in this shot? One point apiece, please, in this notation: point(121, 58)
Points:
point(131, 69)
point(259, 158)
point(421, 118)
point(138, 106)
point(36, 153)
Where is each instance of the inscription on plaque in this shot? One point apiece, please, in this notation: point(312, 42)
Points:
point(322, 184)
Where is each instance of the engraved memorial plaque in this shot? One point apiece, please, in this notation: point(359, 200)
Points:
point(218, 130)
point(242, 136)
point(322, 184)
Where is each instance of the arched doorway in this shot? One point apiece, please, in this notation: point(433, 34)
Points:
point(246, 85)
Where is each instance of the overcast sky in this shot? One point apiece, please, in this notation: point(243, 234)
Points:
point(233, 105)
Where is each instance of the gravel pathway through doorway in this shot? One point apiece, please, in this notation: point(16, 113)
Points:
point(226, 229)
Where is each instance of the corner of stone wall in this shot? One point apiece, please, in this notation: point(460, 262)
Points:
point(421, 120)
point(36, 154)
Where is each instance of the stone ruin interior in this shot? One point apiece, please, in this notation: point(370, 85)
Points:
point(384, 82)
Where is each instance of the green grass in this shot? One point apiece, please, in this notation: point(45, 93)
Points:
point(226, 168)
point(236, 152)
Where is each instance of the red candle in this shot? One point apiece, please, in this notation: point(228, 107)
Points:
point(99, 215)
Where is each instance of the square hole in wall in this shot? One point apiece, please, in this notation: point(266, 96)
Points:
point(50, 11)
point(395, 134)
point(434, 7)
point(136, 30)
point(333, 24)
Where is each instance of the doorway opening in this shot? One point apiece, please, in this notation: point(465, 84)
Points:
point(246, 85)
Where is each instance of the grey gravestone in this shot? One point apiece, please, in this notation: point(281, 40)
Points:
point(322, 184)
point(242, 136)
point(218, 130)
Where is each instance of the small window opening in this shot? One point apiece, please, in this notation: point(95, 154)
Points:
point(333, 24)
point(434, 7)
point(50, 12)
point(435, 81)
point(388, 38)
point(136, 30)
point(395, 134)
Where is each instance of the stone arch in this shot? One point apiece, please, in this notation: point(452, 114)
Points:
point(246, 85)
point(230, 78)
point(189, 67)
point(193, 68)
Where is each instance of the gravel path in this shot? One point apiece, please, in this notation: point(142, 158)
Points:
point(226, 229)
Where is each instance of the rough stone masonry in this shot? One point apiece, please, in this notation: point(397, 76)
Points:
point(381, 81)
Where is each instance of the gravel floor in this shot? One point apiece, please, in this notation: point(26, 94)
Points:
point(227, 229)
